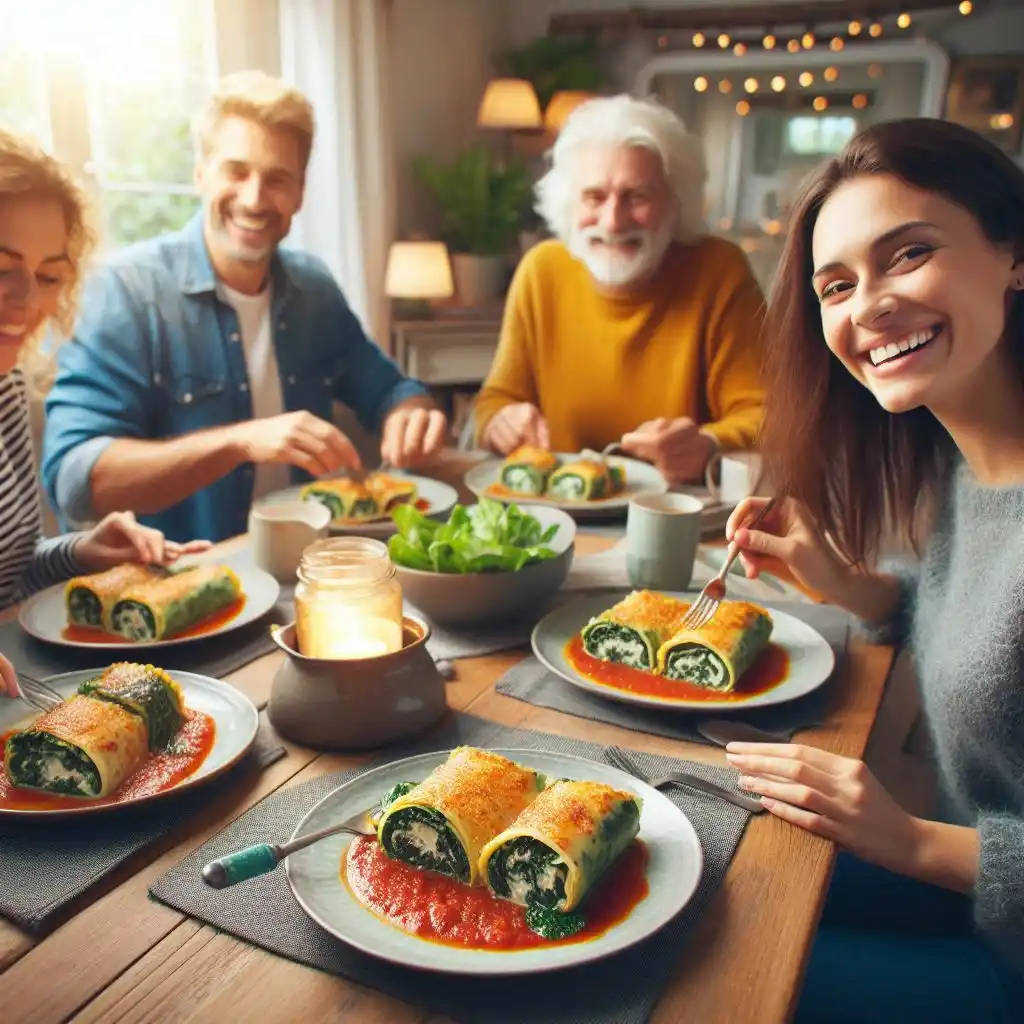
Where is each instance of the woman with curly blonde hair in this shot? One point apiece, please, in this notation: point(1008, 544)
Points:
point(44, 245)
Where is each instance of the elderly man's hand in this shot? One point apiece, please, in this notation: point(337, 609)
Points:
point(516, 424)
point(677, 448)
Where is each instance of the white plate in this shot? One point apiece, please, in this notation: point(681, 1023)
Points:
point(811, 658)
point(235, 716)
point(640, 476)
point(44, 615)
point(314, 874)
point(440, 496)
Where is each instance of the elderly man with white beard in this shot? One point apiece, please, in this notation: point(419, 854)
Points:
point(632, 324)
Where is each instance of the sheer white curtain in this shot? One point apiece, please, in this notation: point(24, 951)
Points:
point(336, 52)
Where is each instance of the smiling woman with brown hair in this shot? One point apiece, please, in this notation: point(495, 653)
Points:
point(895, 385)
point(44, 243)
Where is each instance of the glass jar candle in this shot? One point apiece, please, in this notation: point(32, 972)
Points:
point(348, 603)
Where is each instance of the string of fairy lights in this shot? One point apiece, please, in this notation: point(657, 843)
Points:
point(800, 41)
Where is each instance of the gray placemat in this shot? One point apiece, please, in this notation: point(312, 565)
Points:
point(448, 644)
point(45, 865)
point(532, 682)
point(623, 989)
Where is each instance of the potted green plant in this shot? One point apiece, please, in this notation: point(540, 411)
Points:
point(556, 64)
point(481, 202)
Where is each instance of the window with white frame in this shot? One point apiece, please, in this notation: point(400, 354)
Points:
point(816, 136)
point(109, 87)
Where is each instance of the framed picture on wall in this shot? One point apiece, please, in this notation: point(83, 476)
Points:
point(987, 94)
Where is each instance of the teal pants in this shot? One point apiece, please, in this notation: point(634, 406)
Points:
point(891, 949)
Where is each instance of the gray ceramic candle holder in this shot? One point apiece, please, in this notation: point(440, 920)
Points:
point(358, 703)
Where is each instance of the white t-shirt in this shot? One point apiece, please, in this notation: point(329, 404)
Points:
point(257, 339)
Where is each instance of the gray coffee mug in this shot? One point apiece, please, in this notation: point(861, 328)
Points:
point(662, 534)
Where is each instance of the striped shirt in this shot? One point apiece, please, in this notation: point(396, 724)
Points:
point(28, 562)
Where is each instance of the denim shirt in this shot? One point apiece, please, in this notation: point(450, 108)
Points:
point(157, 354)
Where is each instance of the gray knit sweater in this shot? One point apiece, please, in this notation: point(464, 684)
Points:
point(964, 616)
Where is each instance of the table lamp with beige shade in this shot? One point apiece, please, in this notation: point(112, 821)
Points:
point(510, 104)
point(418, 273)
point(562, 104)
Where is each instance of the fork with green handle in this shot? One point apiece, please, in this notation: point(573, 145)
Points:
point(264, 857)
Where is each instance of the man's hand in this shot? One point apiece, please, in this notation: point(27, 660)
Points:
point(119, 538)
point(412, 434)
point(297, 439)
point(520, 423)
point(676, 448)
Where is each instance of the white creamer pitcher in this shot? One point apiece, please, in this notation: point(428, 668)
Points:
point(279, 533)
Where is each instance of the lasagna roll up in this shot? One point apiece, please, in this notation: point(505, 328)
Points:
point(389, 491)
point(90, 600)
point(526, 470)
point(346, 498)
point(558, 848)
point(716, 655)
point(582, 480)
point(83, 747)
point(442, 823)
point(148, 692)
point(631, 632)
point(155, 611)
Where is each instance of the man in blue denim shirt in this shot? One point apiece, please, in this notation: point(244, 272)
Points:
point(205, 362)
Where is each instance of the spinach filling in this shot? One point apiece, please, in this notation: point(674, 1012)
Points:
point(553, 924)
point(696, 664)
point(133, 620)
point(332, 501)
point(396, 792)
point(524, 479)
point(423, 838)
point(39, 760)
point(528, 871)
point(574, 487)
point(615, 642)
point(85, 607)
point(149, 698)
point(364, 508)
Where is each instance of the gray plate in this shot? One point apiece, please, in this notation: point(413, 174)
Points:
point(811, 658)
point(440, 496)
point(44, 615)
point(640, 477)
point(234, 714)
point(314, 874)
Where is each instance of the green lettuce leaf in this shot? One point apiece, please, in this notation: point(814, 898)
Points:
point(487, 537)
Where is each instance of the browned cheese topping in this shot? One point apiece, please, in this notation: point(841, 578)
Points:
point(567, 811)
point(645, 609)
point(479, 791)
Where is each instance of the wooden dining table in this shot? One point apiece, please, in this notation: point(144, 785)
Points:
point(118, 955)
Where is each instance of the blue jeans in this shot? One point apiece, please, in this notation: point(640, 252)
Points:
point(893, 949)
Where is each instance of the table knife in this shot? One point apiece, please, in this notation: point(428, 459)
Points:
point(723, 730)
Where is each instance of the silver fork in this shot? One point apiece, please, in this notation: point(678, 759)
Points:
point(36, 693)
point(703, 610)
point(609, 449)
point(360, 475)
point(620, 759)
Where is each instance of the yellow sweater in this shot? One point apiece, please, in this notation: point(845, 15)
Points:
point(597, 367)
